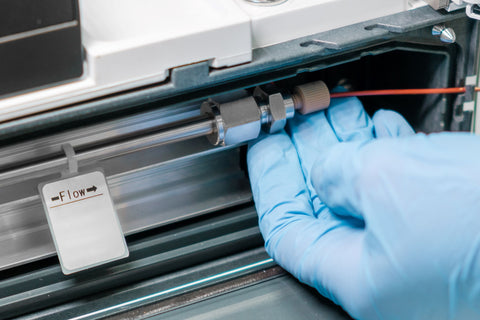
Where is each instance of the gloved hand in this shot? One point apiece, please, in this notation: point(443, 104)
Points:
point(383, 222)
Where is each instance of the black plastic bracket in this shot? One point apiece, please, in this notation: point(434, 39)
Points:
point(40, 43)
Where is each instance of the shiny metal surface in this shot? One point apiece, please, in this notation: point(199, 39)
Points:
point(241, 120)
point(278, 113)
point(265, 113)
point(448, 36)
point(220, 276)
point(279, 297)
point(437, 30)
point(289, 105)
point(88, 136)
point(155, 178)
point(445, 34)
point(235, 122)
point(185, 132)
point(146, 197)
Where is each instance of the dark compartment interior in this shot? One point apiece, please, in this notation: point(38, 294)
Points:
point(401, 68)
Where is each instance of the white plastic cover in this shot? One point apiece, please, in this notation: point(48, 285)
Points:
point(131, 43)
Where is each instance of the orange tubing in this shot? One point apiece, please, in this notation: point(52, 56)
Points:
point(399, 92)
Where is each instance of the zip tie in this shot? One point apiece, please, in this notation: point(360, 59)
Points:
point(71, 159)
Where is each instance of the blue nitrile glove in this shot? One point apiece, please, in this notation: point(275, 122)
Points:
point(390, 227)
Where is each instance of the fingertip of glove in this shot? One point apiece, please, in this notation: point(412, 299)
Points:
point(349, 120)
point(388, 123)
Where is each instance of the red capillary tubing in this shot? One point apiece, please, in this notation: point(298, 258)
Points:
point(386, 92)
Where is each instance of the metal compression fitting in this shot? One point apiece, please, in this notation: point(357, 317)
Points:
point(242, 120)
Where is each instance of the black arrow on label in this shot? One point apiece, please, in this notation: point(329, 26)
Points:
point(92, 189)
point(55, 198)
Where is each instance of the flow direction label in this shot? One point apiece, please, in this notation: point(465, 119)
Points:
point(83, 221)
point(65, 197)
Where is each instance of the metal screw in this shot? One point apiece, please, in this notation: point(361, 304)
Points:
point(446, 35)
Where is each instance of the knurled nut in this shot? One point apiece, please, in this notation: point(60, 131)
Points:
point(311, 97)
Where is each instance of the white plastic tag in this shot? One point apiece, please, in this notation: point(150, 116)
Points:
point(83, 221)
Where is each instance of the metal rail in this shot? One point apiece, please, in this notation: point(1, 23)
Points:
point(163, 137)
